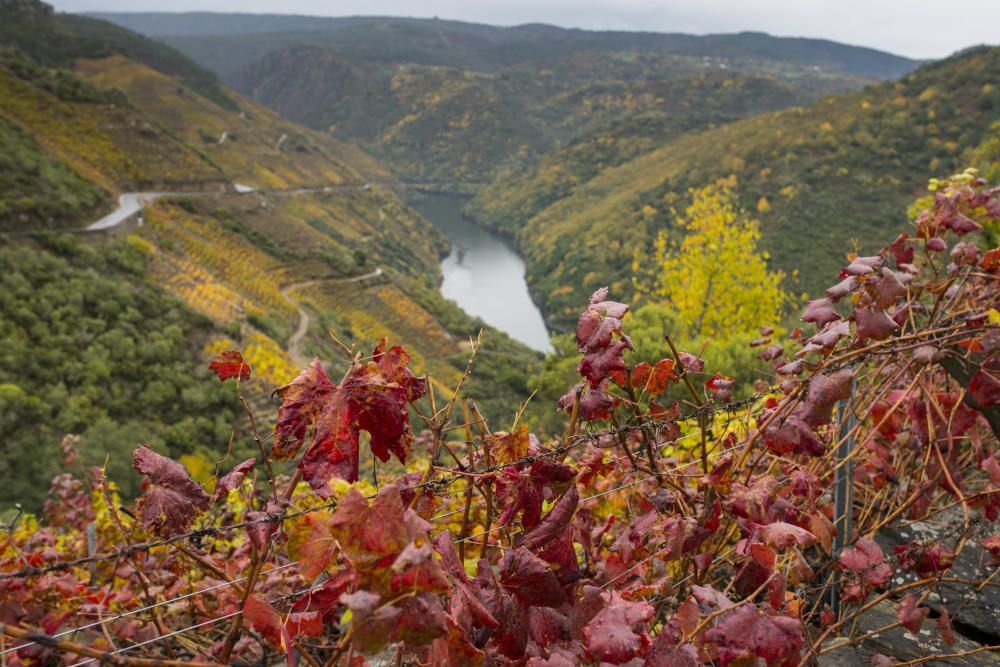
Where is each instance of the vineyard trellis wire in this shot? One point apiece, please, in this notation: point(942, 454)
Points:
point(140, 610)
point(213, 531)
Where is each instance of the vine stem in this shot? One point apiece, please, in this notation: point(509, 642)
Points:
point(79, 649)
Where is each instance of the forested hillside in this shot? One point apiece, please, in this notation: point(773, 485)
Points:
point(445, 104)
point(322, 246)
point(845, 167)
point(477, 46)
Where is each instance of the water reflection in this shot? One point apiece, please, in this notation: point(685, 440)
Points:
point(484, 274)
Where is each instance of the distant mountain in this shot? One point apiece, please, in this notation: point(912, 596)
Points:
point(846, 167)
point(448, 104)
point(485, 47)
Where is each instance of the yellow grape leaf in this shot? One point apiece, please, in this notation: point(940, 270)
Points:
point(508, 447)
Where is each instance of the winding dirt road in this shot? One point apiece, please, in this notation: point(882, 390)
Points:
point(294, 345)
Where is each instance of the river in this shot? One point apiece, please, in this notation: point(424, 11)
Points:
point(484, 274)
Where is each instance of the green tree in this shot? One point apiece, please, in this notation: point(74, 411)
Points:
point(715, 278)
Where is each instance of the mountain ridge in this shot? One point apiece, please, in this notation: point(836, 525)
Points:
point(489, 39)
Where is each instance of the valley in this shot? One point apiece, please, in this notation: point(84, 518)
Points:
point(580, 145)
point(575, 147)
point(369, 340)
point(261, 234)
point(483, 273)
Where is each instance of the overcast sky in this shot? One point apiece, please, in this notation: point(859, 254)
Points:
point(916, 28)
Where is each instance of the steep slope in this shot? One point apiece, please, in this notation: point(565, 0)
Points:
point(448, 104)
point(845, 167)
point(57, 40)
point(456, 125)
point(75, 136)
point(320, 247)
point(670, 108)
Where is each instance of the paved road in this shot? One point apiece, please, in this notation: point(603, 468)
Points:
point(129, 204)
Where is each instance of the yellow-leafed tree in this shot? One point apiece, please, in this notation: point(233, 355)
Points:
point(716, 279)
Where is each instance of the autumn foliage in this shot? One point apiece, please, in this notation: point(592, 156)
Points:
point(669, 525)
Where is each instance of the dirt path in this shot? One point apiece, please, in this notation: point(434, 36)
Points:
point(294, 345)
point(130, 203)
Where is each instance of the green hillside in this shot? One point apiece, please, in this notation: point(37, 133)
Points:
point(845, 167)
point(457, 126)
point(92, 324)
point(58, 40)
point(668, 108)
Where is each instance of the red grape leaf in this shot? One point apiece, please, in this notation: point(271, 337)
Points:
point(889, 289)
point(561, 554)
point(554, 523)
point(781, 535)
point(874, 323)
point(416, 620)
point(747, 632)
point(416, 568)
point(326, 599)
point(304, 624)
point(599, 322)
point(862, 266)
point(599, 365)
point(824, 392)
point(530, 579)
point(842, 289)
point(594, 403)
point(654, 380)
point(232, 479)
point(265, 620)
point(992, 544)
point(925, 559)
point(466, 600)
point(820, 312)
point(945, 630)
point(311, 543)
point(521, 494)
point(901, 250)
point(173, 500)
point(909, 615)
point(369, 534)
point(302, 400)
point(962, 224)
point(262, 528)
point(373, 398)
point(229, 364)
point(522, 489)
point(866, 562)
point(509, 447)
point(664, 653)
point(609, 636)
point(985, 386)
point(936, 244)
point(455, 648)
